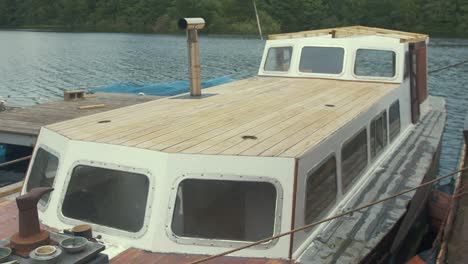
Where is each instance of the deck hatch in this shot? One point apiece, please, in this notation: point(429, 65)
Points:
point(107, 197)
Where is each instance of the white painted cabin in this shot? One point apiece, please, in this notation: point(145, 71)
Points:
point(248, 159)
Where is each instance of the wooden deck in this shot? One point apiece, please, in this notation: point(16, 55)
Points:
point(136, 256)
point(20, 126)
point(281, 117)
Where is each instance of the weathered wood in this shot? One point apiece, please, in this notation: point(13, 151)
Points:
point(10, 189)
point(286, 115)
point(354, 31)
point(137, 256)
point(73, 94)
point(85, 107)
point(18, 125)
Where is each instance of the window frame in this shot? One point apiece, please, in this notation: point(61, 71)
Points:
point(101, 228)
point(43, 207)
point(309, 174)
point(223, 243)
point(327, 75)
point(381, 114)
point(291, 62)
point(377, 78)
point(390, 139)
point(346, 189)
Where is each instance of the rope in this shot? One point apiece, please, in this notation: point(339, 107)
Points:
point(14, 161)
point(449, 66)
point(326, 219)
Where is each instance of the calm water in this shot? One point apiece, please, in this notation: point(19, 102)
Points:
point(36, 67)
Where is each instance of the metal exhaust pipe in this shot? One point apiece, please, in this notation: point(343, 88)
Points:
point(192, 25)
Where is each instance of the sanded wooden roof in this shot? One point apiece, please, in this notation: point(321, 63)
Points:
point(280, 117)
point(352, 31)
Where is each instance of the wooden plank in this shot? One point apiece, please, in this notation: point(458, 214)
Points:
point(315, 121)
point(29, 120)
point(280, 112)
point(353, 31)
point(129, 111)
point(145, 126)
point(293, 136)
point(233, 119)
point(310, 113)
point(204, 141)
point(11, 189)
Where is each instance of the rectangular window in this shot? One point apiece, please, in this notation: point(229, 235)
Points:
point(43, 172)
point(354, 158)
point(224, 210)
point(378, 133)
point(322, 60)
point(375, 63)
point(107, 197)
point(394, 120)
point(278, 59)
point(321, 190)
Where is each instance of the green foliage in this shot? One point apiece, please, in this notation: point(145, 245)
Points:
point(447, 17)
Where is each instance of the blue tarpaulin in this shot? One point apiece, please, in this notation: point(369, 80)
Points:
point(159, 89)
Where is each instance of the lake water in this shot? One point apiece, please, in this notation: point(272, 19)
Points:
point(38, 66)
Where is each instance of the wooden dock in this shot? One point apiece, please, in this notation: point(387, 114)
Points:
point(20, 126)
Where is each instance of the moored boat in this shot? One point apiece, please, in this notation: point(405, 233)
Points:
point(335, 119)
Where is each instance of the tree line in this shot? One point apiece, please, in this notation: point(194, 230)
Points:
point(435, 17)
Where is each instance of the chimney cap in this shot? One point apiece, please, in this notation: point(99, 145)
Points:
point(191, 23)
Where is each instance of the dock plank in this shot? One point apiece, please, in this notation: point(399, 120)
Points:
point(29, 120)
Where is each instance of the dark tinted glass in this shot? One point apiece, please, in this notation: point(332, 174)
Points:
point(107, 197)
point(321, 190)
point(354, 158)
point(375, 63)
point(225, 210)
point(43, 172)
point(378, 134)
point(322, 60)
point(394, 120)
point(278, 59)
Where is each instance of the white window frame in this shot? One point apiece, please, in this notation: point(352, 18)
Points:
point(219, 242)
point(101, 228)
point(376, 78)
point(321, 75)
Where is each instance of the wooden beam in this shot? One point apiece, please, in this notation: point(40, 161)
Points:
point(353, 31)
point(11, 189)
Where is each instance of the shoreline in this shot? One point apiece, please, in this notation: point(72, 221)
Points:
point(59, 29)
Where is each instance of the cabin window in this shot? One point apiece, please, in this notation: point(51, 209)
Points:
point(322, 60)
point(378, 134)
point(375, 63)
point(224, 210)
point(278, 59)
point(394, 120)
point(107, 197)
point(321, 190)
point(43, 172)
point(354, 158)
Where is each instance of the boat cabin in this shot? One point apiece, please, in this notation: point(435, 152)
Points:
point(245, 160)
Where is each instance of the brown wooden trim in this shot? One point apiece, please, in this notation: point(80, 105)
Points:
point(11, 189)
point(293, 218)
